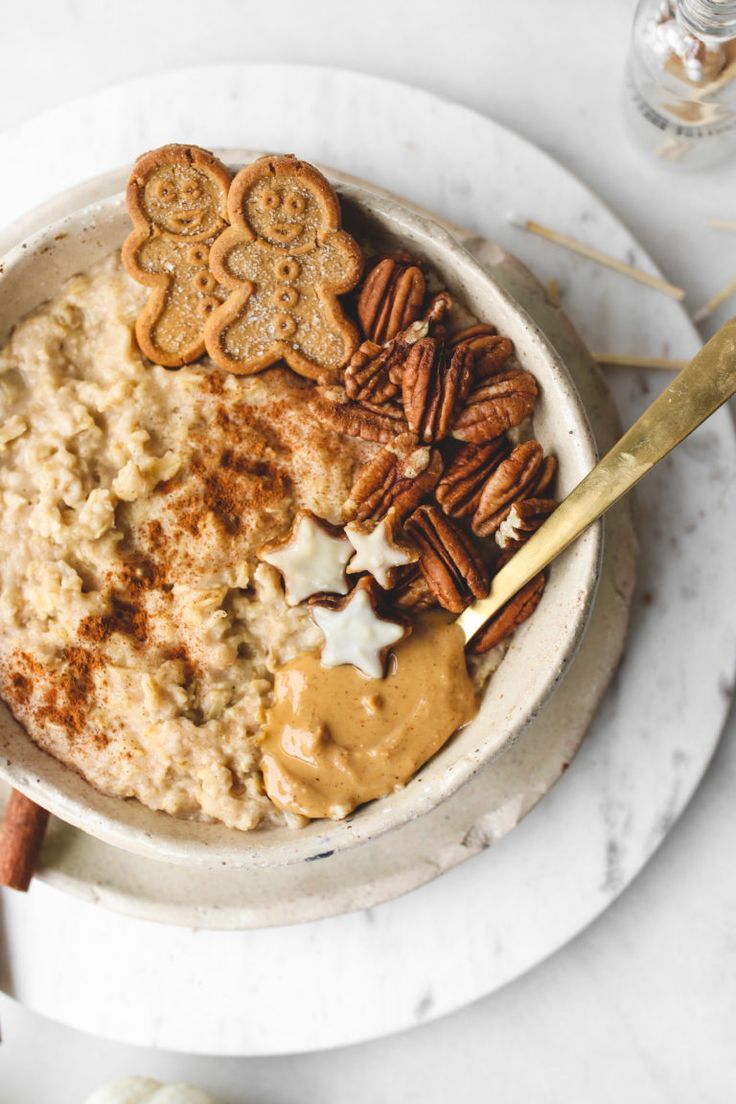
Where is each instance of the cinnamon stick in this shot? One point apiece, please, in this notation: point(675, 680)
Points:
point(21, 837)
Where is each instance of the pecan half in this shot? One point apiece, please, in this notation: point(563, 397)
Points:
point(433, 385)
point(497, 404)
point(391, 298)
point(332, 407)
point(523, 519)
point(471, 333)
point(509, 617)
point(397, 478)
point(432, 323)
point(449, 560)
point(490, 350)
point(514, 478)
point(544, 480)
point(439, 307)
point(367, 374)
point(411, 591)
point(374, 371)
point(459, 490)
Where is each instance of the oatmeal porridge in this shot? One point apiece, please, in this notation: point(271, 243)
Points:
point(138, 632)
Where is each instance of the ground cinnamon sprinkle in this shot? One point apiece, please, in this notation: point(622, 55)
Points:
point(123, 617)
point(68, 702)
point(65, 695)
point(213, 382)
point(226, 485)
point(179, 653)
point(168, 485)
point(21, 688)
point(135, 576)
point(27, 678)
point(154, 534)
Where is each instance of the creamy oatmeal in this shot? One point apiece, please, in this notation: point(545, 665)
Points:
point(138, 633)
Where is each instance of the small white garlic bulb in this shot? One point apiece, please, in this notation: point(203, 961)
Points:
point(144, 1090)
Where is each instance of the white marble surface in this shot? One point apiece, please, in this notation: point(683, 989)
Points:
point(565, 865)
point(641, 1005)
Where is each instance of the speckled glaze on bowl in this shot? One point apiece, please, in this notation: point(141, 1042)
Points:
point(539, 653)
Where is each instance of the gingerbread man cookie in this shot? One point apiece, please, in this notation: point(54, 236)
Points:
point(177, 199)
point(285, 260)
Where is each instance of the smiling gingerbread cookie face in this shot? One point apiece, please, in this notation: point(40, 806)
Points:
point(286, 213)
point(177, 199)
point(180, 199)
point(179, 190)
point(285, 260)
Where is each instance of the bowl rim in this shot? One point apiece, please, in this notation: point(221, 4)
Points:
point(96, 815)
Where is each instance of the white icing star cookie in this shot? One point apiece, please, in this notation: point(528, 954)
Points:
point(377, 551)
point(354, 633)
point(311, 560)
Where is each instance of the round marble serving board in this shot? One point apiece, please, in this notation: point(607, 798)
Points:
point(371, 972)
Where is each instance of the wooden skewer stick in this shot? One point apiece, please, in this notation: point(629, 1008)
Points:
point(21, 837)
point(600, 258)
point(553, 292)
point(619, 361)
point(714, 303)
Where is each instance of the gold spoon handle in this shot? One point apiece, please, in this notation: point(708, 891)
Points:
point(707, 382)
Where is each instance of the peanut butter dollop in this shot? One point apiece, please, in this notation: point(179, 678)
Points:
point(334, 739)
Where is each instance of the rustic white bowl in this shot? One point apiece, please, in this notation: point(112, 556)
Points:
point(540, 650)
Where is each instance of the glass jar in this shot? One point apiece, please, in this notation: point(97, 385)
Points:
point(681, 80)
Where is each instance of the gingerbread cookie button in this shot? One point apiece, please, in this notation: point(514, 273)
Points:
point(177, 199)
point(286, 296)
point(286, 270)
point(204, 281)
point(285, 260)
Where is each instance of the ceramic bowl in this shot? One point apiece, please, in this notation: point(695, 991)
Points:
point(539, 653)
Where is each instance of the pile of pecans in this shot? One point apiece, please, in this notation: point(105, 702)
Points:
point(440, 406)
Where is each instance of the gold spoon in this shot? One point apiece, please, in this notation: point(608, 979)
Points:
point(707, 382)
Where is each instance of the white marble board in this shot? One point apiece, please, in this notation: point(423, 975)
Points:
point(485, 922)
